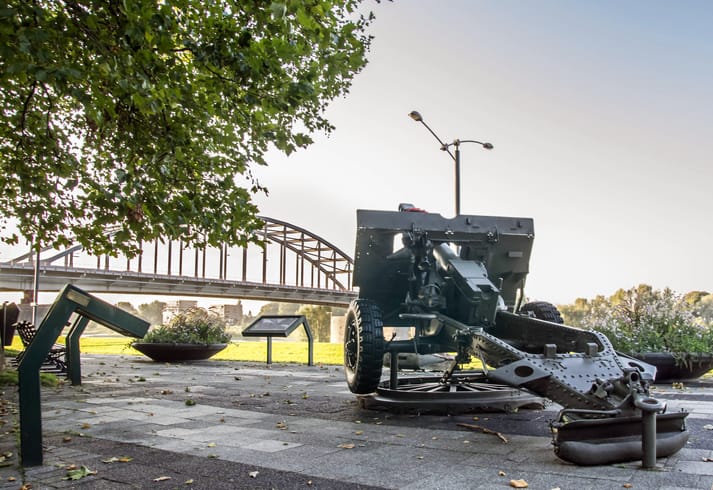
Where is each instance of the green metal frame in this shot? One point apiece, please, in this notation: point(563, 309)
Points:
point(74, 366)
point(71, 300)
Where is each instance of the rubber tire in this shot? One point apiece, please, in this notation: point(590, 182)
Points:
point(363, 346)
point(542, 310)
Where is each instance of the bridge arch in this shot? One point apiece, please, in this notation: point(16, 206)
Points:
point(295, 265)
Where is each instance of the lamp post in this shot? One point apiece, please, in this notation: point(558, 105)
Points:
point(416, 116)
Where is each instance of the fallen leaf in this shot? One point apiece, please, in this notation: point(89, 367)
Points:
point(627, 485)
point(212, 444)
point(347, 445)
point(114, 459)
point(71, 467)
point(11, 478)
point(79, 473)
point(162, 478)
point(66, 439)
point(518, 484)
point(86, 425)
point(359, 432)
point(254, 474)
point(501, 473)
point(282, 425)
point(188, 482)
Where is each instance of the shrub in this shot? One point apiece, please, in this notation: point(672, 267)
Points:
point(642, 319)
point(195, 326)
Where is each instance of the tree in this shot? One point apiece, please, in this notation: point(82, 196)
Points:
point(128, 121)
point(152, 312)
point(319, 319)
point(279, 309)
point(695, 297)
point(128, 307)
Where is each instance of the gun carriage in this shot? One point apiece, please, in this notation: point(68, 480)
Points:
point(458, 284)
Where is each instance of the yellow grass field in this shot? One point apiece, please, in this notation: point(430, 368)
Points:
point(282, 351)
point(242, 350)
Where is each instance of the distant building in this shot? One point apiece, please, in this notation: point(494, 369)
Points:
point(173, 308)
point(232, 314)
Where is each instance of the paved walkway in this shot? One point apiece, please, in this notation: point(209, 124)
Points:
point(215, 425)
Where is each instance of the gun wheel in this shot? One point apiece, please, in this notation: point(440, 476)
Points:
point(363, 346)
point(542, 310)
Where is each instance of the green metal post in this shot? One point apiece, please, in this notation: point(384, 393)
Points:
point(310, 343)
point(74, 365)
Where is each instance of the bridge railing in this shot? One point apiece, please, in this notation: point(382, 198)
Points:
point(291, 256)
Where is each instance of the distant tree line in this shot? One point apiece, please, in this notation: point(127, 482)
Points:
point(318, 317)
point(151, 312)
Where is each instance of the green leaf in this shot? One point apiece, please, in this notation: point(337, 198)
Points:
point(79, 473)
point(154, 101)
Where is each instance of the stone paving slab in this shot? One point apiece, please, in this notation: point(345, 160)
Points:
point(299, 427)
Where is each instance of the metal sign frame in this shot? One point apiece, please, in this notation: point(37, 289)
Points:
point(280, 326)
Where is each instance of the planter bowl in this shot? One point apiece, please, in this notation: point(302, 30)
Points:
point(178, 352)
point(668, 369)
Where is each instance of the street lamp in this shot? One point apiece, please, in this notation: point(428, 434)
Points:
point(416, 116)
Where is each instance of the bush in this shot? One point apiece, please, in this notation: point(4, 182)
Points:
point(195, 326)
point(642, 319)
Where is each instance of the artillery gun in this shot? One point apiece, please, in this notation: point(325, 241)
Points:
point(458, 285)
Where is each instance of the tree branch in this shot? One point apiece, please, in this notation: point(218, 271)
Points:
point(26, 105)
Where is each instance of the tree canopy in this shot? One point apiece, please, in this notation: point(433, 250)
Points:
point(128, 121)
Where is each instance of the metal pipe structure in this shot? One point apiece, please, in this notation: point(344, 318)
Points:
point(416, 116)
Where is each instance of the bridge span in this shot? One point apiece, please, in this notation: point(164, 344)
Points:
point(295, 266)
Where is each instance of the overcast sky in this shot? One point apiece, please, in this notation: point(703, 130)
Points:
point(601, 114)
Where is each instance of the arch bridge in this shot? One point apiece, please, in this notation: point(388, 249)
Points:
point(295, 265)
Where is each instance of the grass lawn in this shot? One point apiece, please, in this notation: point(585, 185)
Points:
point(242, 350)
point(282, 351)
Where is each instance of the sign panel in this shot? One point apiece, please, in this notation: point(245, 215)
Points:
point(273, 326)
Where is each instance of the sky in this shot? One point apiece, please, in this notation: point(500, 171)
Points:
point(601, 115)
